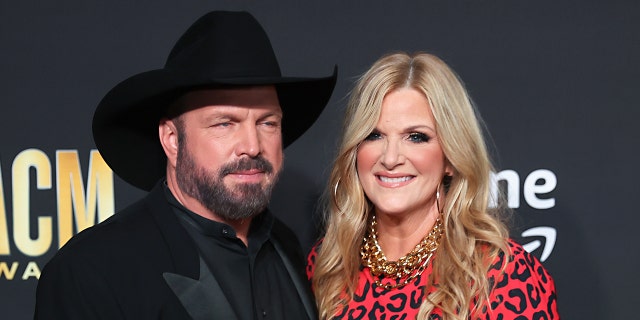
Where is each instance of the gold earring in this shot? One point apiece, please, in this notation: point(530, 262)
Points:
point(438, 199)
point(335, 195)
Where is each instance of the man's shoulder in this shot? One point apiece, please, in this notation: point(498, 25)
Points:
point(127, 231)
point(113, 228)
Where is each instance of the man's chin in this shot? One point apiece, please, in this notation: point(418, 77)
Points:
point(241, 196)
point(248, 189)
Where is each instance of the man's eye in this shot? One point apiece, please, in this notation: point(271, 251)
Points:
point(373, 136)
point(271, 123)
point(221, 124)
point(418, 137)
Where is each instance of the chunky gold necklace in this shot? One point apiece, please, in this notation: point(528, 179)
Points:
point(408, 267)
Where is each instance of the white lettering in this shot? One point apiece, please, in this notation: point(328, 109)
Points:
point(532, 188)
point(538, 182)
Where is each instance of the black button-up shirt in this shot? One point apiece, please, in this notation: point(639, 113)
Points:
point(253, 278)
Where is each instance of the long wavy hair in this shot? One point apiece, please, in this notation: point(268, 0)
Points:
point(474, 234)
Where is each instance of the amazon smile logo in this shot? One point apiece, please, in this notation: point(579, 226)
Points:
point(537, 189)
point(548, 234)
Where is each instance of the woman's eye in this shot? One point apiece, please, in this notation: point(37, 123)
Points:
point(373, 136)
point(418, 137)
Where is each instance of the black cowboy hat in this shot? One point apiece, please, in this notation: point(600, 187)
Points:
point(220, 49)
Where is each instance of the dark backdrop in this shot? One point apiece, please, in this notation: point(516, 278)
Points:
point(555, 82)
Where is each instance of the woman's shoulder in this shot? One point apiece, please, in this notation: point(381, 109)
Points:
point(311, 258)
point(521, 267)
point(524, 266)
point(525, 288)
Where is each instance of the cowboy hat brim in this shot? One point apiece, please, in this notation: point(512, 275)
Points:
point(125, 123)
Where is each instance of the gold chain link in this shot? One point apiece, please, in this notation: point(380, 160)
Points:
point(408, 267)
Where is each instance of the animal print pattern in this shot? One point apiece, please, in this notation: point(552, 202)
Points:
point(524, 291)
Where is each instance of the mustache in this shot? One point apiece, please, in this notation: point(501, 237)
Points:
point(258, 163)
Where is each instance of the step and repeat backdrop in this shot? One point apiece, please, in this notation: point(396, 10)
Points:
point(556, 83)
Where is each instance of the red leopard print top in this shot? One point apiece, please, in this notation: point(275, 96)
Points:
point(524, 291)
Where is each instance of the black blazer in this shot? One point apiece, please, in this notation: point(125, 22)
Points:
point(139, 264)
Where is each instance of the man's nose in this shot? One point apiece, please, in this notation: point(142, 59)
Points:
point(248, 141)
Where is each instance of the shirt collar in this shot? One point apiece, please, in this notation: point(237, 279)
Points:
point(259, 231)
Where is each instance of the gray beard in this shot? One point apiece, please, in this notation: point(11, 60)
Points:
point(244, 201)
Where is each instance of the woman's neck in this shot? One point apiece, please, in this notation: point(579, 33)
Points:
point(398, 235)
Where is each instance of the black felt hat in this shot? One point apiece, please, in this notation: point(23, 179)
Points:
point(220, 49)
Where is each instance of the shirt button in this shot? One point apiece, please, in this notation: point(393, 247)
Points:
point(264, 313)
point(225, 231)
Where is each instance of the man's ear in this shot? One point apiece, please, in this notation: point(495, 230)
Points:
point(168, 134)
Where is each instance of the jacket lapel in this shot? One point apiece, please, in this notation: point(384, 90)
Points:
point(183, 251)
point(299, 281)
point(202, 298)
point(192, 282)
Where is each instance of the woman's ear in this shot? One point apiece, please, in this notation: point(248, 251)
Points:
point(168, 135)
point(448, 169)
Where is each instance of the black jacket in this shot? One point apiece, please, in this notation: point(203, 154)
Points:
point(135, 264)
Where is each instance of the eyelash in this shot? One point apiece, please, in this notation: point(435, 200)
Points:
point(418, 137)
point(375, 135)
point(415, 137)
point(222, 124)
point(271, 123)
point(229, 123)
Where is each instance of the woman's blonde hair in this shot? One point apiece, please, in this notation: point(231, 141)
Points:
point(473, 236)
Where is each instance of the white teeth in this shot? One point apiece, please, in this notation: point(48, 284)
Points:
point(394, 180)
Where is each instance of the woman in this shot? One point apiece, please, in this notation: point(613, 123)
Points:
point(408, 232)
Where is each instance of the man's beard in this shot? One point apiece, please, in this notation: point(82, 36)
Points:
point(243, 201)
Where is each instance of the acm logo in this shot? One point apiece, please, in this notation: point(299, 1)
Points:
point(78, 206)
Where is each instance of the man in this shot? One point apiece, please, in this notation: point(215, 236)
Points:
point(205, 135)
